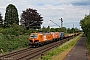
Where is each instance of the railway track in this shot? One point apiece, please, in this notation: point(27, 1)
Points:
point(14, 53)
point(32, 53)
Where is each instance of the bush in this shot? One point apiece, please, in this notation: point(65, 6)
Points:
point(13, 43)
point(14, 37)
point(14, 30)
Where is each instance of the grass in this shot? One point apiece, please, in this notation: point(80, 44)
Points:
point(12, 43)
point(59, 53)
point(62, 55)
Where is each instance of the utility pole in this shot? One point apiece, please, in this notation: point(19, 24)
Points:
point(89, 12)
point(61, 22)
point(73, 30)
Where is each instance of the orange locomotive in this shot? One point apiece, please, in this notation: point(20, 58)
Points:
point(55, 36)
point(37, 39)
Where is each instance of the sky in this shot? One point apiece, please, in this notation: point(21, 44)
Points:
point(71, 11)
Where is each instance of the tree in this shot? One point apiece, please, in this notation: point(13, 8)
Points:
point(31, 19)
point(11, 15)
point(52, 30)
point(48, 29)
point(76, 29)
point(1, 21)
point(68, 30)
point(63, 29)
point(44, 29)
point(85, 25)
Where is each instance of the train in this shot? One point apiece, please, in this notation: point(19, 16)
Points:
point(39, 39)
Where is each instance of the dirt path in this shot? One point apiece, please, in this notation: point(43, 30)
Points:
point(79, 51)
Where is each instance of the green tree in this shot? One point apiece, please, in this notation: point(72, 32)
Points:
point(11, 15)
point(57, 29)
point(63, 29)
point(1, 21)
point(48, 29)
point(85, 25)
point(69, 30)
point(44, 29)
point(52, 29)
point(76, 29)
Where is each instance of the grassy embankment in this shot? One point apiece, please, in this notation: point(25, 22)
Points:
point(59, 53)
point(13, 38)
point(10, 43)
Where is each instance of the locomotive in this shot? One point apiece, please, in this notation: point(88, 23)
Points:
point(38, 39)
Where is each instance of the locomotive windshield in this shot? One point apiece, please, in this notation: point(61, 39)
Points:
point(33, 36)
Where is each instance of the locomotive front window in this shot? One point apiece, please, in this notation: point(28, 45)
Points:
point(33, 36)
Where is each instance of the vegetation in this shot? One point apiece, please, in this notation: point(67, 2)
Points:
point(31, 19)
point(13, 38)
point(60, 49)
point(10, 42)
point(85, 25)
point(16, 36)
point(1, 21)
point(63, 29)
point(11, 15)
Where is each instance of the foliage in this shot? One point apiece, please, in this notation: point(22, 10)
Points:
point(13, 43)
point(85, 25)
point(63, 29)
point(1, 21)
point(13, 30)
point(44, 29)
point(11, 15)
point(14, 37)
point(52, 29)
point(31, 19)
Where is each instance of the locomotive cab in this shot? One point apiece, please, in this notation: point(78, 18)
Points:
point(35, 38)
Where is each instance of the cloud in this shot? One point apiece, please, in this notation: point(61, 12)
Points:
point(81, 3)
point(70, 14)
point(71, 11)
